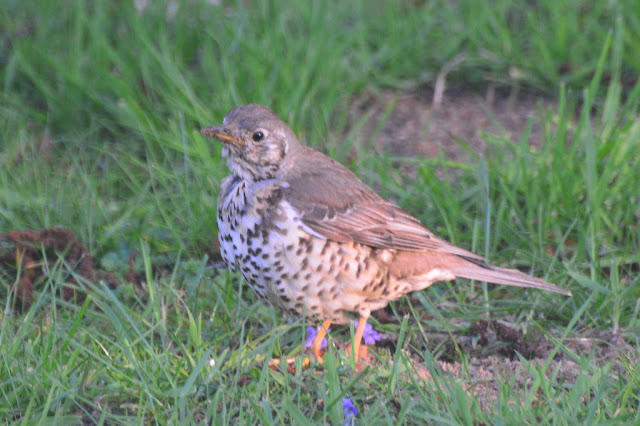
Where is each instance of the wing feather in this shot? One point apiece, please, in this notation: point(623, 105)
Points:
point(336, 204)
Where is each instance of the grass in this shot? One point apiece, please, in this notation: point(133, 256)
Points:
point(101, 106)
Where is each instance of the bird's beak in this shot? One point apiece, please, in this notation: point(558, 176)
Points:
point(222, 134)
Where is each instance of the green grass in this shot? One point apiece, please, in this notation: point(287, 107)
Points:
point(101, 107)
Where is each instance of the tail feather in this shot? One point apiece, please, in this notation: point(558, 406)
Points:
point(512, 277)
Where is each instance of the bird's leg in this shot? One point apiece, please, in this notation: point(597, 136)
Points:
point(358, 337)
point(317, 342)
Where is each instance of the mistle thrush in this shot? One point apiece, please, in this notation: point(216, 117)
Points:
point(309, 237)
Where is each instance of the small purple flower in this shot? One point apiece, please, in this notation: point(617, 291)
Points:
point(312, 335)
point(370, 336)
point(349, 409)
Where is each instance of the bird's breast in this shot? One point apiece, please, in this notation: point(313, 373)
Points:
point(257, 232)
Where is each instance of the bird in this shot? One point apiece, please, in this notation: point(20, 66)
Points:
point(309, 237)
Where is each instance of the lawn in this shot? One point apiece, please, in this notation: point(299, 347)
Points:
point(117, 309)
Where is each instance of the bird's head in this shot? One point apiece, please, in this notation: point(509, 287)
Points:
point(255, 142)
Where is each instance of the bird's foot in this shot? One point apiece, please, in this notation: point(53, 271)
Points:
point(363, 359)
point(317, 353)
point(290, 362)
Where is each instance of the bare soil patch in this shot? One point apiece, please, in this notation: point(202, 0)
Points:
point(479, 375)
point(416, 127)
point(30, 255)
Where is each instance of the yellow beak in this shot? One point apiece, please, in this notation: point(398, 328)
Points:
point(220, 133)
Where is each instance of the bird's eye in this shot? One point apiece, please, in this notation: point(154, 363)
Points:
point(257, 136)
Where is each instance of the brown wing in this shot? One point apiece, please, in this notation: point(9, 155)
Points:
point(336, 204)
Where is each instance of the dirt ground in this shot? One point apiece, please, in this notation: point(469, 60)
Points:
point(30, 255)
point(416, 127)
point(497, 344)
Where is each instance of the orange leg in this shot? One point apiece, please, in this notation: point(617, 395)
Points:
point(317, 342)
point(358, 337)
